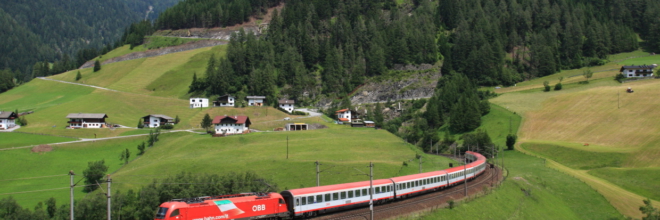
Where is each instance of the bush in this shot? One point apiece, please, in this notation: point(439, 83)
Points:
point(619, 77)
point(558, 86)
point(511, 141)
point(97, 66)
point(547, 87)
point(451, 204)
point(167, 126)
point(298, 113)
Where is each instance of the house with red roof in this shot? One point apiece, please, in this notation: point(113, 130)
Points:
point(232, 124)
point(347, 115)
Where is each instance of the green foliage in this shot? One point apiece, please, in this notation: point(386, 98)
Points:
point(511, 141)
point(378, 115)
point(620, 77)
point(558, 86)
point(78, 76)
point(587, 74)
point(206, 122)
point(153, 137)
point(6, 80)
point(124, 156)
point(546, 86)
point(95, 171)
point(177, 119)
point(649, 211)
point(451, 204)
point(23, 121)
point(141, 147)
point(97, 66)
point(140, 123)
point(167, 126)
point(478, 142)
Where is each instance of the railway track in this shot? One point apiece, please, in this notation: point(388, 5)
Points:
point(419, 203)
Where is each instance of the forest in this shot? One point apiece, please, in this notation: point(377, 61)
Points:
point(48, 31)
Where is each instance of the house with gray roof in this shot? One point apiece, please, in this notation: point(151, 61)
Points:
point(87, 120)
point(638, 71)
point(154, 121)
point(7, 120)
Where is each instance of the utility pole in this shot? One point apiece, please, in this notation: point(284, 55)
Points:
point(371, 188)
point(109, 199)
point(317, 173)
point(72, 185)
point(465, 173)
point(618, 94)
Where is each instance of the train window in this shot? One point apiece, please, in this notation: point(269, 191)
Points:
point(389, 188)
point(343, 195)
point(175, 213)
point(424, 182)
point(281, 201)
point(416, 183)
point(328, 198)
point(350, 194)
point(357, 193)
point(408, 185)
point(364, 192)
point(335, 196)
point(311, 200)
point(319, 198)
point(297, 201)
point(304, 200)
point(377, 190)
point(161, 213)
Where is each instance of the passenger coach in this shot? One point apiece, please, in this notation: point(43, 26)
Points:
point(318, 200)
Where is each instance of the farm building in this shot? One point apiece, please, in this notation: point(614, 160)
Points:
point(7, 120)
point(87, 120)
point(256, 100)
point(231, 124)
point(154, 121)
point(369, 124)
point(287, 105)
point(638, 71)
point(297, 127)
point(199, 102)
point(224, 101)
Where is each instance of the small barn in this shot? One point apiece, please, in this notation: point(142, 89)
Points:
point(370, 124)
point(256, 100)
point(87, 120)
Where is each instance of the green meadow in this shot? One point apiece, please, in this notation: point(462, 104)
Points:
point(578, 159)
point(13, 139)
point(643, 181)
point(552, 195)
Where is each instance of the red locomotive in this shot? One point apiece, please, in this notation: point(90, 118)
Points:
point(238, 206)
point(312, 201)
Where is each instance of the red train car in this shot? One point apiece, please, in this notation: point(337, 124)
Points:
point(239, 206)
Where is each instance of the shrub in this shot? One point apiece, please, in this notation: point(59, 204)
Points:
point(167, 126)
point(451, 204)
point(97, 66)
point(298, 113)
point(511, 141)
point(546, 85)
point(558, 86)
point(619, 77)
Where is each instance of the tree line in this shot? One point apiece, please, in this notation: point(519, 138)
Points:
point(209, 13)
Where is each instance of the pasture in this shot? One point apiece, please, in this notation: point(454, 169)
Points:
point(13, 139)
point(340, 149)
point(553, 195)
point(643, 181)
point(167, 75)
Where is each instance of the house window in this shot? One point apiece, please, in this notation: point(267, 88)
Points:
point(193, 100)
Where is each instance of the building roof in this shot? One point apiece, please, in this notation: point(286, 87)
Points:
point(199, 98)
point(161, 116)
point(240, 119)
point(343, 119)
point(7, 115)
point(225, 95)
point(343, 110)
point(87, 115)
point(634, 67)
point(287, 102)
point(256, 97)
point(369, 122)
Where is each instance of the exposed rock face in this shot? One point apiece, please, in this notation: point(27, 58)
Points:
point(212, 33)
point(420, 84)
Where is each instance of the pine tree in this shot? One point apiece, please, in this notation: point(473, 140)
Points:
point(97, 66)
point(206, 122)
point(78, 76)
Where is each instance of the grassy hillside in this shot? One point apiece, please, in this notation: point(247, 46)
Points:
point(643, 181)
point(340, 149)
point(167, 75)
point(554, 195)
point(19, 139)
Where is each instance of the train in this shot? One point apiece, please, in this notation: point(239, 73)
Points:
point(313, 201)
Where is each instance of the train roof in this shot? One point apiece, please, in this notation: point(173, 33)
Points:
point(235, 198)
point(336, 187)
point(480, 160)
point(418, 176)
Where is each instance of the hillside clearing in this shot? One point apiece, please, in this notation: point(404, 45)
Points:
point(13, 139)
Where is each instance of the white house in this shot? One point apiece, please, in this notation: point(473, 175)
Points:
point(7, 120)
point(199, 102)
point(87, 120)
point(256, 100)
point(344, 115)
point(638, 71)
point(231, 124)
point(154, 121)
point(287, 105)
point(224, 101)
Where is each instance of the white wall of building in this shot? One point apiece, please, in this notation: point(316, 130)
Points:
point(288, 107)
point(82, 125)
point(7, 123)
point(230, 102)
point(153, 122)
point(253, 102)
point(199, 102)
point(230, 128)
point(346, 114)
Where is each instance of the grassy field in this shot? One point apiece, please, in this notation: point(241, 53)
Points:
point(554, 195)
point(646, 60)
point(497, 123)
point(643, 181)
point(340, 149)
point(167, 75)
point(578, 159)
point(120, 51)
point(52, 168)
point(19, 139)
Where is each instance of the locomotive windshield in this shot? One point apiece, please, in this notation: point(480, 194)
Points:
point(161, 213)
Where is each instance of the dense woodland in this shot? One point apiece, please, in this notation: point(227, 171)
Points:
point(56, 30)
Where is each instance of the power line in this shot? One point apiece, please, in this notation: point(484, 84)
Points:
point(41, 190)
